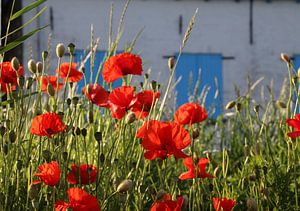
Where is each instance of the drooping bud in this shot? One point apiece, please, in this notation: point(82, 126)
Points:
point(47, 155)
point(280, 104)
point(31, 66)
point(196, 133)
point(256, 108)
point(69, 101)
point(84, 132)
point(153, 85)
point(77, 131)
point(284, 57)
point(29, 82)
point(21, 81)
point(230, 105)
point(39, 67)
point(2, 130)
point(238, 107)
point(98, 136)
point(124, 186)
point(12, 136)
point(15, 63)
point(45, 55)
point(130, 118)
point(19, 164)
point(75, 100)
point(60, 50)
point(50, 90)
point(71, 48)
point(171, 63)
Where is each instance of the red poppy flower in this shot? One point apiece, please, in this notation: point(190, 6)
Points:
point(120, 100)
point(145, 100)
point(163, 139)
point(49, 174)
point(120, 65)
point(96, 94)
point(8, 76)
point(74, 75)
point(223, 204)
point(79, 201)
point(53, 81)
point(82, 174)
point(295, 123)
point(166, 204)
point(47, 124)
point(190, 113)
point(193, 171)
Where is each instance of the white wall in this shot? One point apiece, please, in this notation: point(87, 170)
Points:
point(221, 27)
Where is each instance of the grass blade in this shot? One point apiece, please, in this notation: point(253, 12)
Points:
point(26, 9)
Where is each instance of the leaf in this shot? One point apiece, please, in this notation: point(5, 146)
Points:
point(20, 40)
point(26, 9)
point(3, 103)
point(27, 23)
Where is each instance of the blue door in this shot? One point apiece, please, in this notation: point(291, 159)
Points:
point(210, 68)
point(80, 56)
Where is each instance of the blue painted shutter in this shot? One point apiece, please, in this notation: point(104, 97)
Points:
point(210, 67)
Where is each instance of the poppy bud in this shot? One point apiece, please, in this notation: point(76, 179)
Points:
point(98, 136)
point(196, 133)
point(60, 50)
point(21, 81)
point(83, 70)
point(44, 55)
point(146, 75)
point(69, 101)
point(75, 100)
point(280, 104)
point(2, 130)
point(160, 194)
point(46, 155)
point(65, 156)
point(5, 149)
point(252, 177)
point(265, 170)
point(130, 118)
point(171, 63)
point(153, 85)
point(12, 136)
point(77, 131)
point(31, 66)
point(284, 57)
point(238, 107)
point(50, 90)
point(230, 105)
point(84, 132)
point(124, 186)
point(19, 164)
point(256, 108)
point(29, 82)
point(15, 63)
point(71, 48)
point(141, 84)
point(252, 205)
point(39, 67)
point(102, 158)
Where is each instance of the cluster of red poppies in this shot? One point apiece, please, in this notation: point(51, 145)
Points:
point(159, 139)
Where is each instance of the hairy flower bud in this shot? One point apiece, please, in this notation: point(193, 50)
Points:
point(12, 136)
point(280, 104)
point(45, 55)
point(230, 105)
point(31, 66)
point(39, 67)
point(196, 133)
point(84, 132)
point(19, 164)
point(29, 82)
point(21, 81)
point(47, 155)
point(50, 90)
point(15, 63)
point(284, 57)
point(71, 48)
point(130, 118)
point(60, 50)
point(171, 63)
point(98, 136)
point(124, 186)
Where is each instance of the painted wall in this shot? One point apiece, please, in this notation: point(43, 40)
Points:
point(221, 27)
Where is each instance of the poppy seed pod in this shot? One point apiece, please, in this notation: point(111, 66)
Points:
point(15, 63)
point(284, 57)
point(45, 55)
point(39, 67)
point(60, 50)
point(171, 63)
point(31, 66)
point(124, 186)
point(230, 105)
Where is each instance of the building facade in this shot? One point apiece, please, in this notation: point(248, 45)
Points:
point(230, 41)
